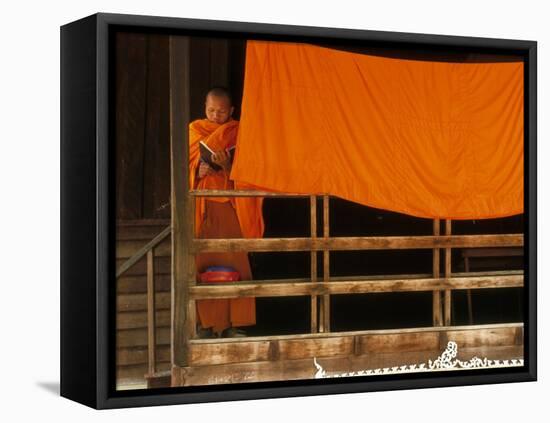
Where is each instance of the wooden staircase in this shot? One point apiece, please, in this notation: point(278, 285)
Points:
point(137, 364)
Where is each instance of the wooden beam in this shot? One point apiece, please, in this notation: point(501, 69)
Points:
point(142, 222)
point(439, 329)
point(354, 243)
point(280, 289)
point(447, 292)
point(191, 277)
point(257, 349)
point(131, 290)
point(326, 263)
point(436, 296)
point(313, 257)
point(180, 200)
point(242, 193)
point(151, 321)
point(301, 369)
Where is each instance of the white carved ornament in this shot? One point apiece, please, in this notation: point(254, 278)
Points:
point(446, 361)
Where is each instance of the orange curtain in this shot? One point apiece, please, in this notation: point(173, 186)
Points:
point(429, 139)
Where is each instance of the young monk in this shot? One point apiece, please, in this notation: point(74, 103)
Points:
point(221, 217)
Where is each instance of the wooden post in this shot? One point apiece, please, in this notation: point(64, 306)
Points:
point(447, 302)
point(313, 221)
point(183, 263)
point(469, 293)
point(437, 319)
point(191, 274)
point(151, 323)
point(326, 265)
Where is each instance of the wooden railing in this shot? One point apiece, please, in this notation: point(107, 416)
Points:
point(441, 285)
point(148, 251)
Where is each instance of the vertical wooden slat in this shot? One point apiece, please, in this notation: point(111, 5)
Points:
point(313, 221)
point(151, 323)
point(130, 109)
point(219, 60)
point(437, 319)
point(191, 319)
point(447, 294)
point(182, 266)
point(156, 154)
point(469, 293)
point(326, 265)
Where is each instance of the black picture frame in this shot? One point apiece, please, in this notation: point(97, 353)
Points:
point(87, 224)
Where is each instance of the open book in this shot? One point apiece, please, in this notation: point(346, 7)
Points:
point(206, 155)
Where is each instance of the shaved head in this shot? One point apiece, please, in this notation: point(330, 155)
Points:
point(220, 92)
point(218, 105)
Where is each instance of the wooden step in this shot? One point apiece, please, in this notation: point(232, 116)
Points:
point(159, 379)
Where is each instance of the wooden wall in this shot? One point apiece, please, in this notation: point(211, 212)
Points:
point(142, 118)
point(143, 175)
point(131, 336)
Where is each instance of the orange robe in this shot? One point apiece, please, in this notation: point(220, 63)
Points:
point(222, 217)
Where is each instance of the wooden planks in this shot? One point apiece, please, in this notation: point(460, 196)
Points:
point(138, 302)
point(136, 320)
point(162, 264)
point(137, 337)
point(134, 374)
point(141, 125)
point(347, 346)
point(139, 355)
point(130, 107)
point(137, 250)
point(128, 248)
point(305, 369)
point(156, 159)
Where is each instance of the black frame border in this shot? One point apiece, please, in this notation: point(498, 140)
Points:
point(87, 167)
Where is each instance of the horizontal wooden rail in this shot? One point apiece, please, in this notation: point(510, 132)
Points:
point(397, 332)
point(285, 352)
point(355, 243)
point(143, 251)
point(142, 222)
point(243, 193)
point(274, 289)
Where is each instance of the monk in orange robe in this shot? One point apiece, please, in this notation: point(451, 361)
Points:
point(221, 217)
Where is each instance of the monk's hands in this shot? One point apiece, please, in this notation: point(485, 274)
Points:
point(205, 170)
point(223, 159)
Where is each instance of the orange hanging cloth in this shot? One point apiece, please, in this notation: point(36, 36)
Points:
point(217, 137)
point(429, 139)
